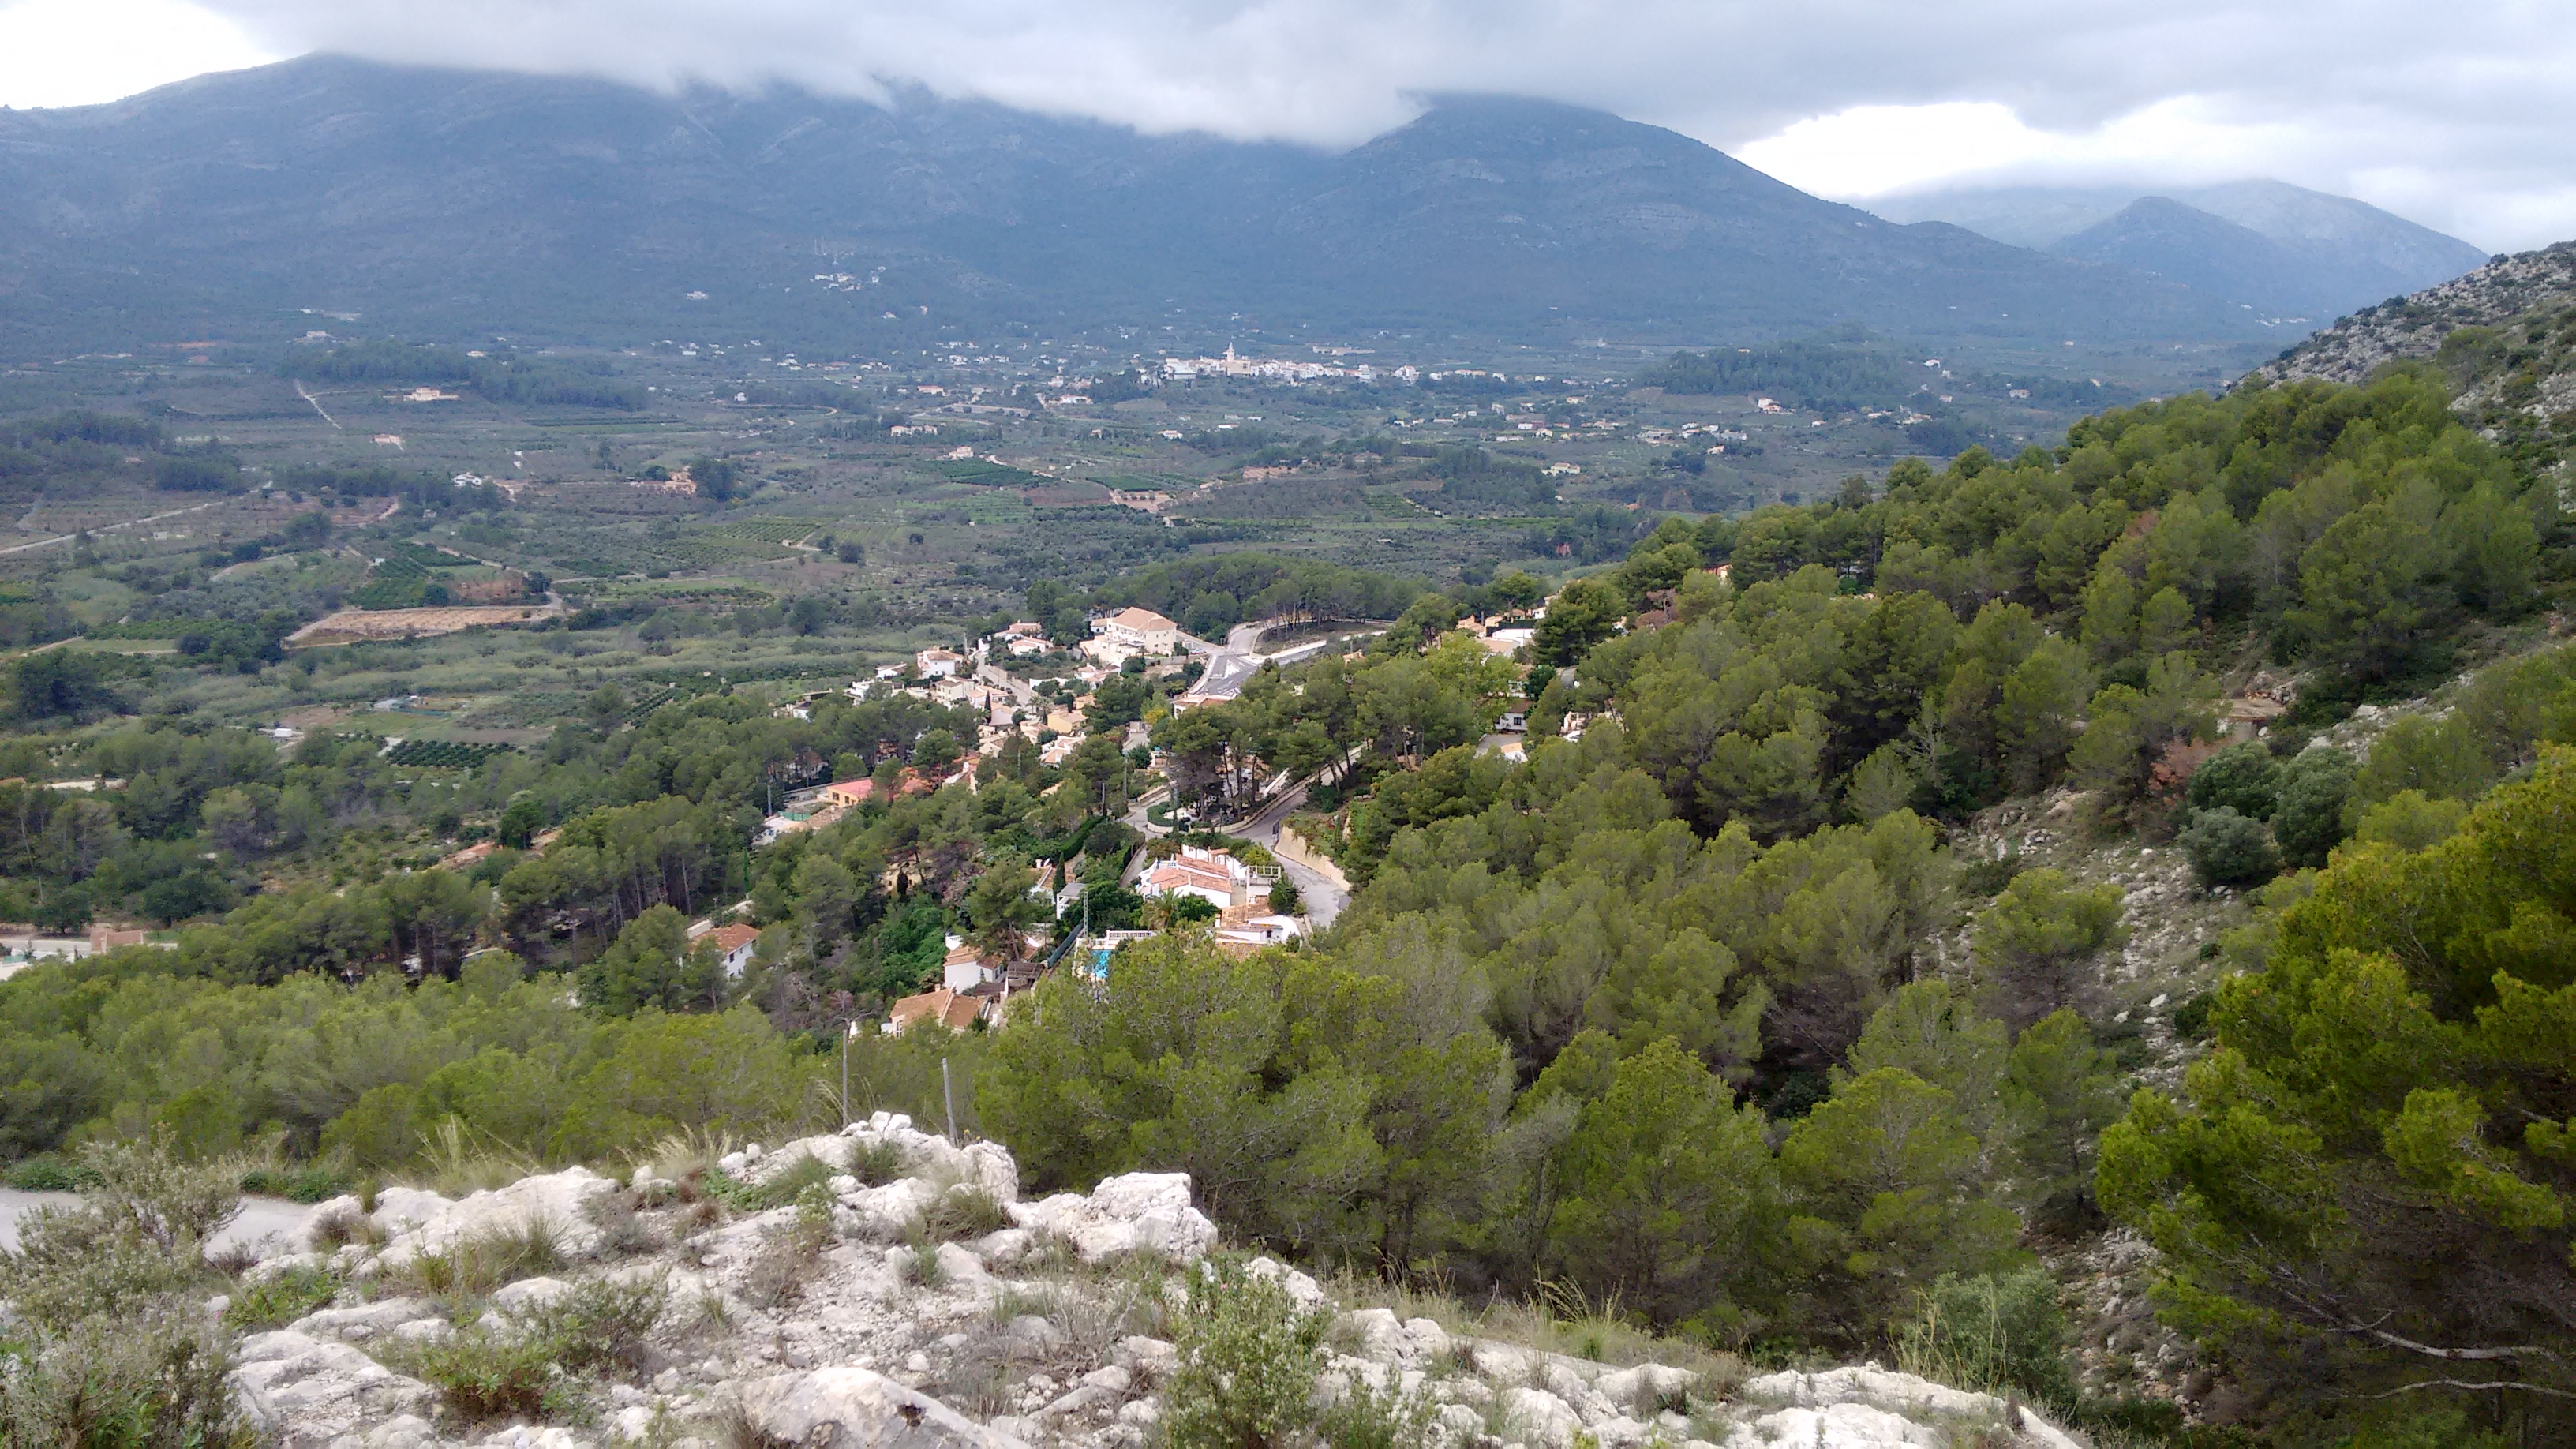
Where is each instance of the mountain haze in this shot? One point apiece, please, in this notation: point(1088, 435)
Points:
point(439, 199)
point(2268, 244)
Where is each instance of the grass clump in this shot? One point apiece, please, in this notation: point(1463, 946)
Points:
point(277, 1301)
point(473, 1266)
point(875, 1164)
point(963, 1212)
point(789, 1257)
point(535, 1365)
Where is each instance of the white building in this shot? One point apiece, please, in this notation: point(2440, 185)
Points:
point(1140, 630)
point(1214, 876)
point(937, 663)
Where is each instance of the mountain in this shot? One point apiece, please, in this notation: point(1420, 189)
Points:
point(2327, 254)
point(2185, 244)
point(468, 202)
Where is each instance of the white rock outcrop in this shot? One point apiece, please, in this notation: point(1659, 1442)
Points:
point(856, 1330)
point(1137, 1212)
point(307, 1392)
point(856, 1408)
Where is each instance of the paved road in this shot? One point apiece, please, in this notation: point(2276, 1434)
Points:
point(1323, 900)
point(259, 1217)
point(1021, 693)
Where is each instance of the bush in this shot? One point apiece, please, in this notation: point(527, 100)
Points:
point(2309, 820)
point(1284, 898)
point(311, 1183)
point(2229, 849)
point(49, 1174)
point(139, 1379)
point(2191, 1019)
point(1994, 1330)
point(2243, 777)
point(109, 1346)
point(280, 1300)
point(1249, 1358)
point(524, 1369)
point(601, 1324)
point(138, 1235)
point(489, 1376)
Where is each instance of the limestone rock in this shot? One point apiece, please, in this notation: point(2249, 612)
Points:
point(1137, 1212)
point(304, 1392)
point(1541, 1417)
point(364, 1321)
point(856, 1408)
point(528, 1293)
point(556, 1201)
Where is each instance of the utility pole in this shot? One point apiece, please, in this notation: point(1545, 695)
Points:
point(948, 1090)
point(849, 1030)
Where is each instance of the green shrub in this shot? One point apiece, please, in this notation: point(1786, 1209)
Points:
point(600, 1324)
point(529, 1368)
point(49, 1174)
point(1366, 1418)
point(2229, 849)
point(1988, 876)
point(2243, 777)
point(280, 1300)
point(1249, 1358)
point(139, 1233)
point(135, 1380)
point(109, 1347)
point(2309, 819)
point(2191, 1019)
point(310, 1183)
point(484, 1375)
point(1994, 1330)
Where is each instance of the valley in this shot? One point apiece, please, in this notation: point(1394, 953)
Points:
point(1747, 863)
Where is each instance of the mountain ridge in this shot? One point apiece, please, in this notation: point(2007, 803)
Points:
point(495, 202)
point(2326, 254)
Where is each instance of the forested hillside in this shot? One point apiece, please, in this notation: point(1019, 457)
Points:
point(1658, 1016)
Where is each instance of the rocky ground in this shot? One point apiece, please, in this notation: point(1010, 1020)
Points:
point(885, 1287)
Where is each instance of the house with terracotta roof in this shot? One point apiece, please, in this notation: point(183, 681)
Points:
point(942, 1007)
point(937, 663)
point(735, 943)
point(1214, 876)
point(1140, 630)
point(849, 793)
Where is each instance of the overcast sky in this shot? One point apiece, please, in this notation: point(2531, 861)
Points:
point(2461, 115)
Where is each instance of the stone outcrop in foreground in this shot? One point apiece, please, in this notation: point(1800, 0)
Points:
point(901, 1295)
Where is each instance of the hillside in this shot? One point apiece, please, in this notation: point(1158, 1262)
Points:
point(482, 203)
point(876, 1285)
point(2504, 337)
point(2523, 288)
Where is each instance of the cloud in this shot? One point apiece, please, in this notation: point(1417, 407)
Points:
point(2463, 116)
point(81, 52)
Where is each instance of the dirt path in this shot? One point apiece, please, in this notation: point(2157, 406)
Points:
point(317, 403)
point(111, 528)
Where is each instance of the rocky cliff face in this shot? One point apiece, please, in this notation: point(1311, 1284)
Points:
point(901, 1294)
point(2411, 328)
